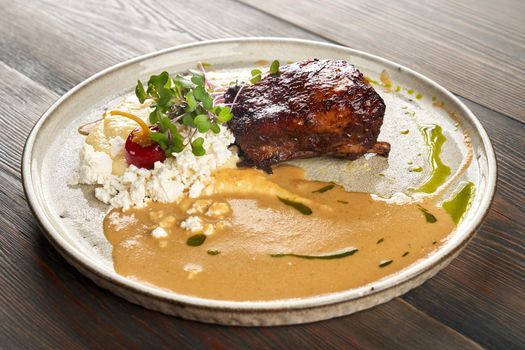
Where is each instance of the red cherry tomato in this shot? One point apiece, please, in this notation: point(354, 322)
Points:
point(143, 156)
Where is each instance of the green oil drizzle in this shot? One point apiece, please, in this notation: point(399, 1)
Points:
point(303, 209)
point(324, 189)
point(196, 240)
point(429, 217)
point(336, 255)
point(434, 139)
point(460, 201)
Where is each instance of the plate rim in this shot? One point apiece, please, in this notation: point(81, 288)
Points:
point(74, 256)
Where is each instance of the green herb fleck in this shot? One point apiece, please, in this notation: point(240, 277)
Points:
point(384, 263)
point(336, 255)
point(415, 169)
point(398, 88)
point(196, 240)
point(405, 254)
point(428, 217)
point(256, 76)
point(324, 189)
point(303, 209)
point(343, 202)
point(410, 91)
point(380, 240)
point(404, 131)
point(213, 252)
point(419, 96)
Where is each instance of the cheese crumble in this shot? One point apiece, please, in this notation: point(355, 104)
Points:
point(184, 174)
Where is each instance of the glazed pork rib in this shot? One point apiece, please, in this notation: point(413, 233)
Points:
point(312, 108)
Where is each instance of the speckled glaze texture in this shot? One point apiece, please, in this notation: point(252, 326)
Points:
point(71, 218)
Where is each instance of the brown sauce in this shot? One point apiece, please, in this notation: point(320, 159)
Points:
point(265, 249)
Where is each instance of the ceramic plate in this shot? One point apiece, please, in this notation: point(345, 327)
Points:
point(71, 217)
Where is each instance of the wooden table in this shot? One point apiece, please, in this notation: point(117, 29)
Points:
point(475, 49)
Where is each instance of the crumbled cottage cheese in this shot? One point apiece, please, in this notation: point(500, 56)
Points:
point(159, 232)
point(192, 223)
point(182, 174)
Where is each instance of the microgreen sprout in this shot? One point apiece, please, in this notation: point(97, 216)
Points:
point(182, 101)
point(193, 101)
point(257, 73)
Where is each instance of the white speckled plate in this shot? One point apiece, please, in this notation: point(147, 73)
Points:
point(71, 218)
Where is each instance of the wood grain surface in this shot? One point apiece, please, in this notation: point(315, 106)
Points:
point(474, 48)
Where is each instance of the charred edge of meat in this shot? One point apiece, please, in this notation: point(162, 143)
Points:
point(312, 108)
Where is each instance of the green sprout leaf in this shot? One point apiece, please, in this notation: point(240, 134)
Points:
point(224, 115)
point(164, 97)
point(274, 68)
point(196, 147)
point(159, 138)
point(198, 79)
point(202, 122)
point(215, 128)
point(207, 103)
point(256, 76)
point(200, 93)
point(190, 100)
point(182, 82)
point(140, 92)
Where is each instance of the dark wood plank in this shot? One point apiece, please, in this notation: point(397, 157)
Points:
point(102, 33)
point(46, 302)
point(475, 49)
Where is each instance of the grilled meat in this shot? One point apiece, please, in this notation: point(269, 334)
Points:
point(311, 108)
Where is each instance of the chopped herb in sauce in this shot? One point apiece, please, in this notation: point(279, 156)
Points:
point(196, 240)
point(405, 254)
point(429, 217)
point(213, 252)
point(380, 241)
point(336, 255)
point(384, 263)
point(343, 202)
point(303, 209)
point(324, 189)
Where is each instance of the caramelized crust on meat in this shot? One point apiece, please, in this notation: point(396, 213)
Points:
point(312, 108)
